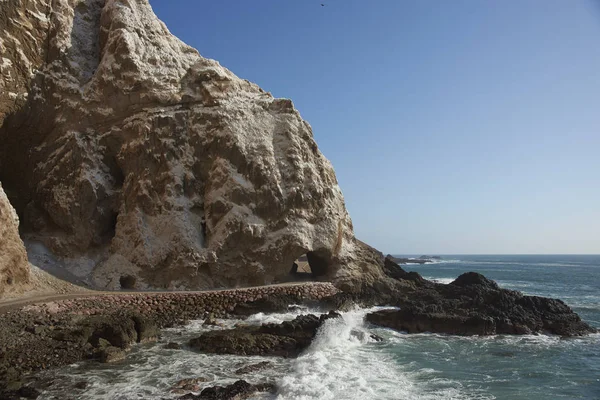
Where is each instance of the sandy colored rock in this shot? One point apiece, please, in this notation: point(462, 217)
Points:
point(125, 148)
point(14, 268)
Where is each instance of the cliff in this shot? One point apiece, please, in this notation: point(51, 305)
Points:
point(124, 148)
point(14, 268)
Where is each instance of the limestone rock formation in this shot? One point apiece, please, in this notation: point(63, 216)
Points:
point(14, 268)
point(123, 146)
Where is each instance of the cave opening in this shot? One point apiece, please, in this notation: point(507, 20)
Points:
point(310, 266)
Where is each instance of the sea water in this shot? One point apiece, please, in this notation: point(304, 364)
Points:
point(344, 362)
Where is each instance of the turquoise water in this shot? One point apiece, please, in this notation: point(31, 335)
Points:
point(344, 362)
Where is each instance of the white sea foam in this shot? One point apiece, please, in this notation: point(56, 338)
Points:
point(344, 362)
point(445, 281)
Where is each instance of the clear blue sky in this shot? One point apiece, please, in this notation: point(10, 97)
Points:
point(453, 126)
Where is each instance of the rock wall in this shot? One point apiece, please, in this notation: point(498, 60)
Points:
point(14, 268)
point(47, 335)
point(121, 141)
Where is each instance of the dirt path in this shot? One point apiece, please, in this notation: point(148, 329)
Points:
point(14, 303)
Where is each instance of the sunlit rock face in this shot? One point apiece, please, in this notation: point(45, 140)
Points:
point(123, 146)
point(14, 269)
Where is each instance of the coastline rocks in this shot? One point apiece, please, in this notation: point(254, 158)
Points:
point(58, 333)
point(253, 367)
point(110, 354)
point(236, 391)
point(413, 322)
point(270, 304)
point(475, 305)
point(188, 385)
point(287, 339)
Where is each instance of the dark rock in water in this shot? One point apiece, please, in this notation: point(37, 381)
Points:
point(402, 260)
point(376, 338)
point(146, 327)
point(474, 279)
point(110, 354)
point(238, 390)
point(188, 385)
point(287, 339)
point(414, 322)
point(474, 305)
point(270, 304)
point(24, 392)
point(172, 346)
point(339, 302)
point(253, 367)
point(119, 331)
point(393, 270)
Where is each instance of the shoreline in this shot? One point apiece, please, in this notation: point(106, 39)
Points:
point(41, 334)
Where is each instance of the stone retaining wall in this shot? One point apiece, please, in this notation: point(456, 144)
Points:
point(45, 335)
point(186, 305)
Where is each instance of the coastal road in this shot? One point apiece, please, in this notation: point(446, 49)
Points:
point(15, 303)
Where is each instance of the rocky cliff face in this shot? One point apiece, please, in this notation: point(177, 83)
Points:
point(121, 142)
point(14, 268)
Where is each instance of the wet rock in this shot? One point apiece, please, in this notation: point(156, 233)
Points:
point(188, 385)
point(146, 328)
point(238, 390)
point(412, 322)
point(254, 367)
point(23, 392)
point(287, 339)
point(475, 305)
point(211, 321)
point(110, 354)
point(172, 346)
point(117, 329)
point(270, 304)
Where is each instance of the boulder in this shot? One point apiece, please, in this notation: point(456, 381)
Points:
point(253, 367)
point(172, 346)
point(236, 391)
point(188, 385)
point(287, 339)
point(268, 304)
point(110, 354)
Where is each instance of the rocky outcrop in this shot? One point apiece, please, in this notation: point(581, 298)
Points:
point(14, 268)
point(473, 305)
point(58, 333)
point(236, 391)
point(123, 145)
point(287, 339)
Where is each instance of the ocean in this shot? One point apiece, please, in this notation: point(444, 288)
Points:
point(344, 362)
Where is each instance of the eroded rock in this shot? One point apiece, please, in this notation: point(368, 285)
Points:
point(14, 268)
point(287, 339)
point(475, 305)
point(162, 166)
point(236, 391)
